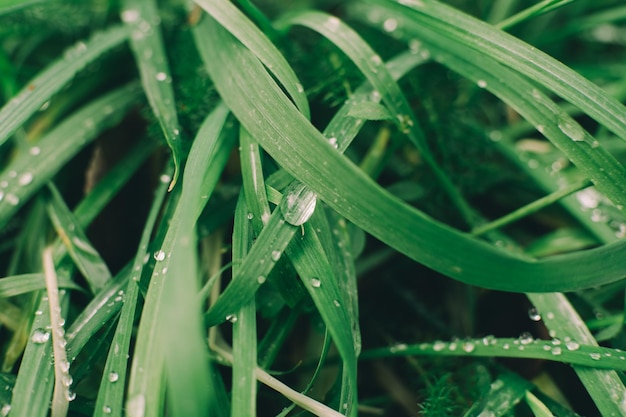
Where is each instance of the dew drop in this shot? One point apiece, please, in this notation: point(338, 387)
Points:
point(332, 23)
point(250, 216)
point(376, 60)
point(533, 314)
point(468, 347)
point(25, 179)
point(439, 346)
point(40, 336)
point(70, 395)
point(390, 25)
point(315, 283)
point(526, 338)
point(161, 76)
point(572, 345)
point(35, 150)
point(159, 255)
point(231, 318)
point(299, 88)
point(556, 350)
point(12, 199)
point(4, 411)
point(276, 255)
point(572, 129)
point(165, 179)
point(106, 409)
point(333, 142)
point(113, 376)
point(130, 15)
point(595, 356)
point(298, 203)
point(481, 83)
point(261, 279)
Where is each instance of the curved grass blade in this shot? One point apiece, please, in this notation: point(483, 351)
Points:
point(516, 54)
point(142, 18)
point(371, 65)
point(306, 154)
point(8, 6)
point(504, 393)
point(54, 77)
point(27, 173)
point(110, 399)
point(207, 158)
point(241, 27)
point(25, 283)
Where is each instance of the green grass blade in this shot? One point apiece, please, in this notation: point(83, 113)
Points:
point(208, 156)
point(25, 283)
point(28, 172)
point(244, 387)
point(110, 399)
point(7, 6)
point(241, 27)
point(84, 255)
point(504, 393)
point(142, 19)
point(54, 77)
point(308, 156)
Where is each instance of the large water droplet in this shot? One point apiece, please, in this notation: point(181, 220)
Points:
point(526, 338)
point(40, 336)
point(390, 25)
point(161, 76)
point(571, 128)
point(113, 376)
point(438, 346)
point(298, 203)
point(533, 314)
point(572, 345)
point(315, 283)
point(468, 347)
point(159, 255)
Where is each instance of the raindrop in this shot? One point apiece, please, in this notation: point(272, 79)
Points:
point(113, 376)
point(556, 350)
point(161, 76)
point(67, 380)
point(332, 23)
point(526, 338)
point(276, 255)
point(333, 142)
point(165, 179)
point(159, 255)
point(106, 409)
point(261, 279)
point(70, 395)
point(571, 128)
point(439, 346)
point(130, 15)
point(25, 179)
point(481, 83)
point(298, 203)
point(595, 356)
point(390, 25)
point(35, 150)
point(533, 314)
point(231, 318)
point(469, 347)
point(13, 199)
point(315, 283)
point(571, 345)
point(40, 336)
point(64, 366)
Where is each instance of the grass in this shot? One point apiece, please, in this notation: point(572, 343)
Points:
point(369, 207)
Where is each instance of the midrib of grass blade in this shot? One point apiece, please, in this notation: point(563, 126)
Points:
point(208, 156)
point(110, 400)
point(244, 387)
point(28, 172)
point(563, 131)
point(371, 66)
point(25, 283)
point(518, 55)
point(604, 386)
point(54, 77)
point(143, 20)
point(243, 29)
point(299, 148)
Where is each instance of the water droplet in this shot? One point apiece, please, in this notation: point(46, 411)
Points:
point(333, 142)
point(70, 395)
point(67, 380)
point(506, 346)
point(4, 411)
point(299, 88)
point(40, 336)
point(276, 255)
point(533, 314)
point(298, 203)
point(571, 128)
point(44, 106)
point(376, 60)
point(526, 338)
point(438, 346)
point(130, 15)
point(390, 25)
point(113, 376)
point(481, 83)
point(250, 216)
point(136, 406)
point(414, 46)
point(261, 279)
point(315, 283)
point(231, 318)
point(595, 356)
point(398, 348)
point(25, 179)
point(161, 76)
point(35, 150)
point(159, 255)
point(332, 23)
point(556, 350)
point(336, 303)
point(572, 345)
point(12, 199)
point(468, 347)
point(165, 179)
point(64, 366)
point(106, 409)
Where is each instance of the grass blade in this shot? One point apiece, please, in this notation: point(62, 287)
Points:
point(25, 283)
point(54, 77)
